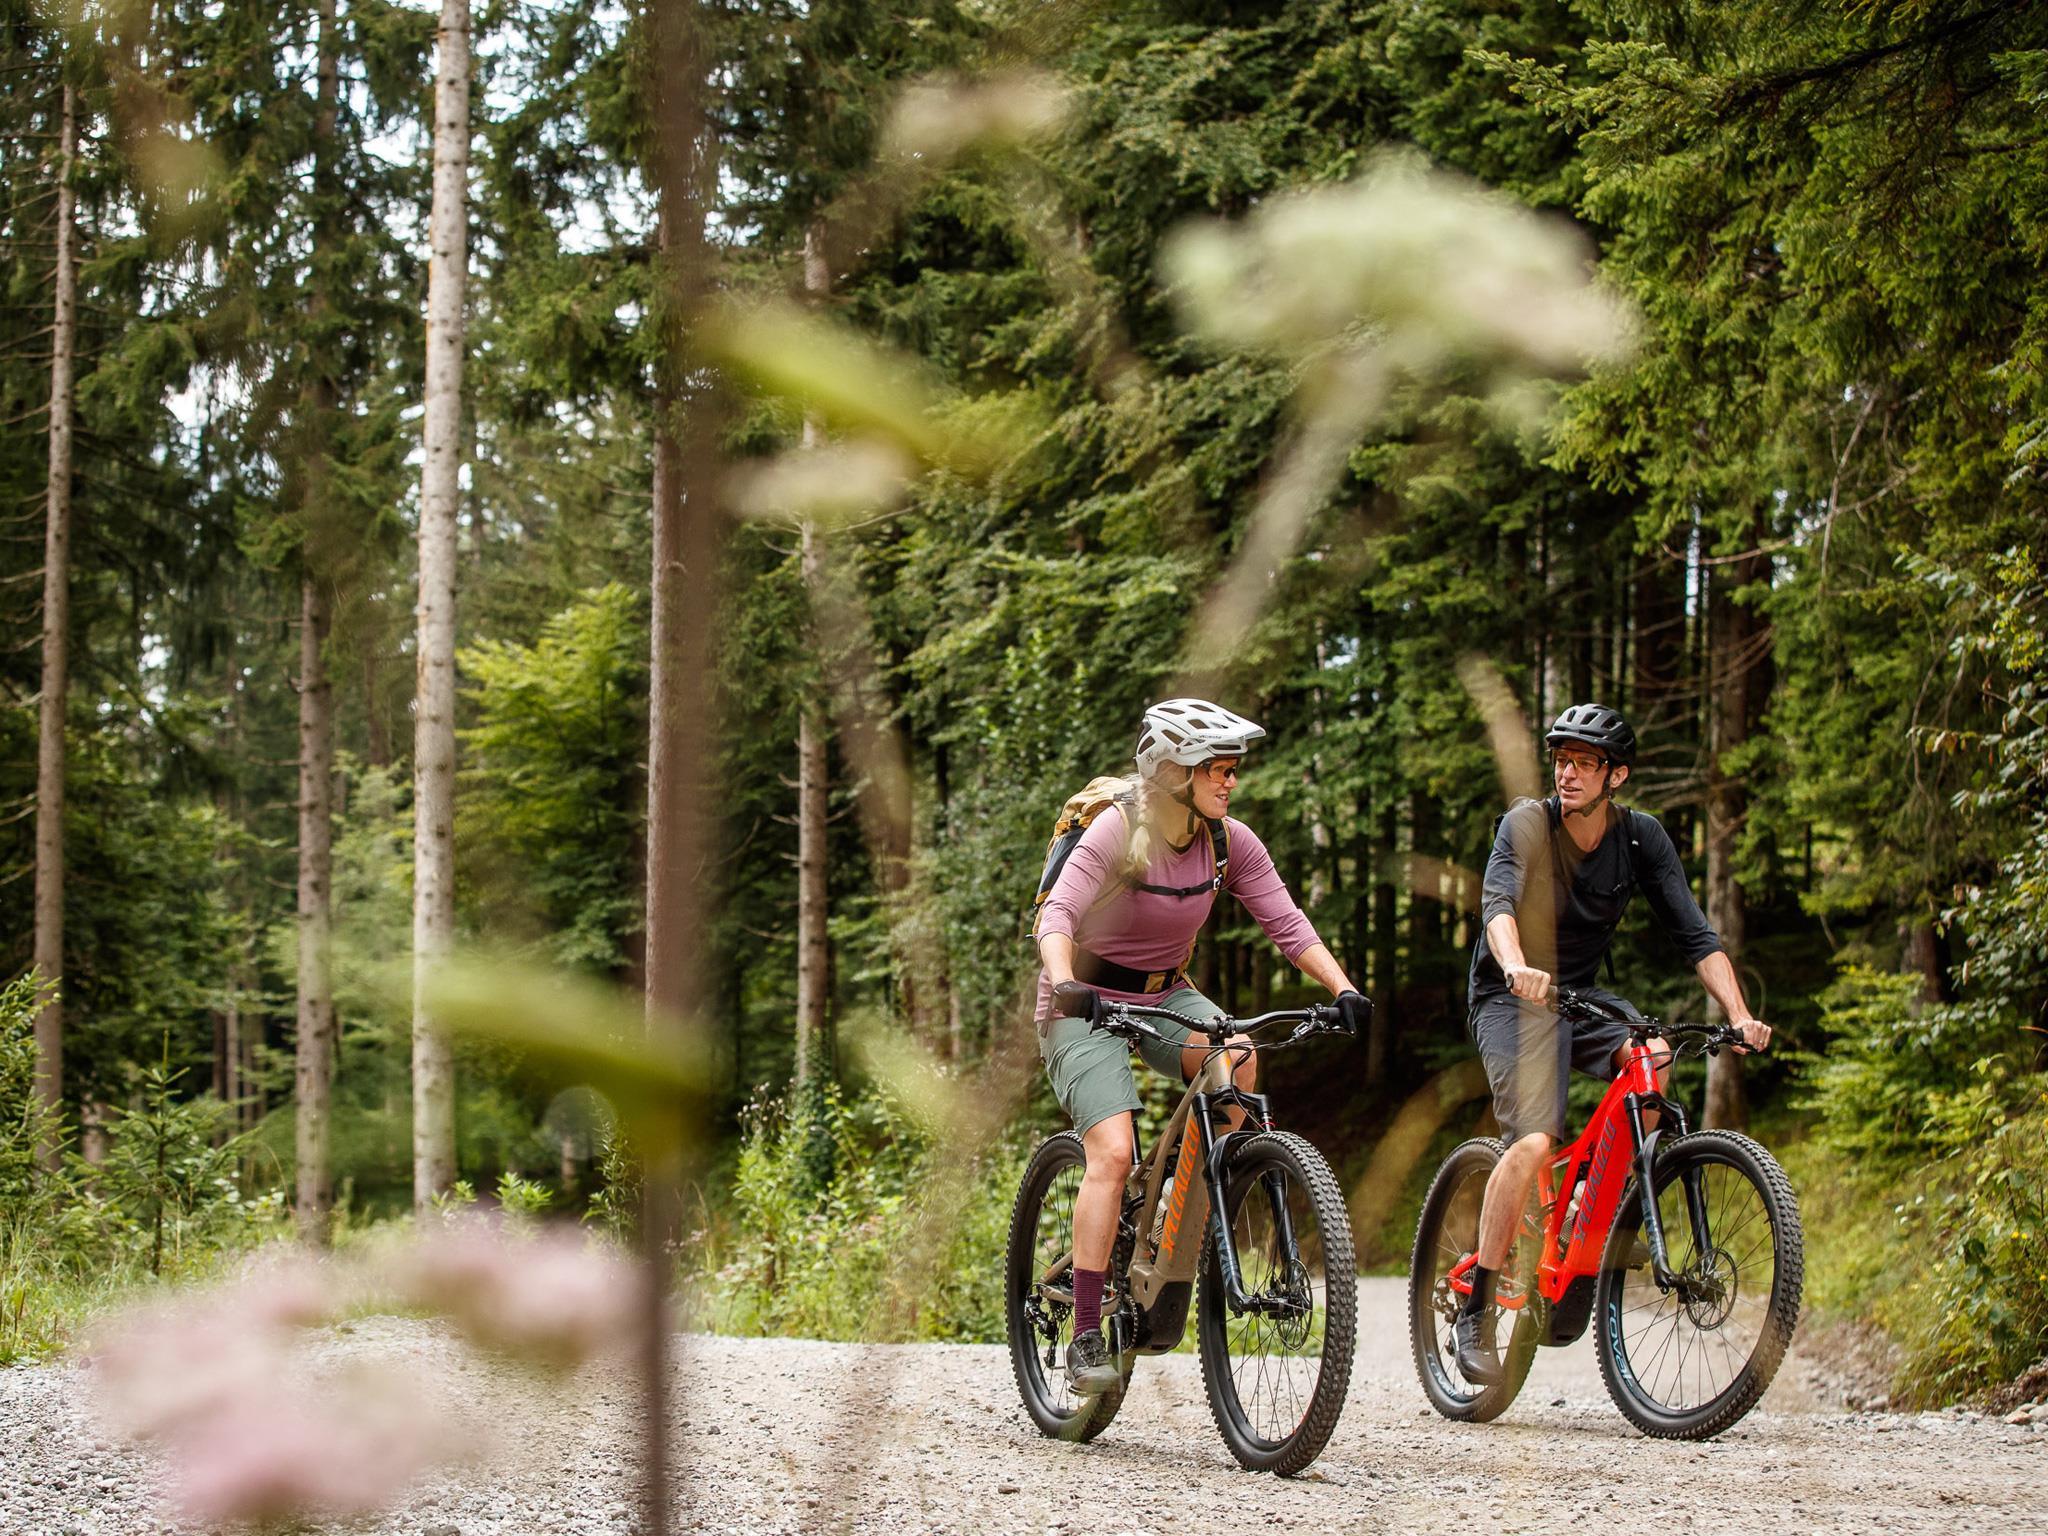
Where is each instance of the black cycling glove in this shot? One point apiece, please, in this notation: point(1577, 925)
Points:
point(1077, 1000)
point(1354, 1012)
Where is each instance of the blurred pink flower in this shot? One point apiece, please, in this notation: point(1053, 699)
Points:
point(254, 1428)
point(555, 1299)
point(165, 1366)
point(277, 1452)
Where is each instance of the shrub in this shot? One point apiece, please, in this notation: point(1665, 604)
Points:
point(165, 1204)
point(899, 1241)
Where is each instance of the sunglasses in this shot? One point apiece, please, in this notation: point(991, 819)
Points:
point(1578, 761)
point(1220, 772)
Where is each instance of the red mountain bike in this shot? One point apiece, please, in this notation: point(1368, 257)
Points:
point(1695, 1288)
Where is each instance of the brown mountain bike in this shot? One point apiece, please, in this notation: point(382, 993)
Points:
point(1248, 1225)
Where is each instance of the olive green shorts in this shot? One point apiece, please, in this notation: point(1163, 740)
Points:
point(1091, 1071)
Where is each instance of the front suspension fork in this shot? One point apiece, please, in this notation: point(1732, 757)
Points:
point(1215, 1154)
point(1646, 1185)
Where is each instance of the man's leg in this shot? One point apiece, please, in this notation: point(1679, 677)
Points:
point(1507, 1197)
point(1527, 1056)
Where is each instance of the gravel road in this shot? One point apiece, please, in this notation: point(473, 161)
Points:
point(781, 1435)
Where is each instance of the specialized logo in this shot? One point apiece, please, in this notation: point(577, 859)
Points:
point(1177, 1198)
point(1595, 1179)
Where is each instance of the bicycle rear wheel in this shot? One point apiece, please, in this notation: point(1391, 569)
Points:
point(1277, 1374)
point(1041, 1309)
point(1447, 1234)
point(1687, 1363)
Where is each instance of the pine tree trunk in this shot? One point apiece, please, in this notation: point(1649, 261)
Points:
point(313, 1083)
point(56, 678)
point(1379, 1040)
point(680, 709)
point(314, 1075)
point(813, 789)
point(1734, 680)
point(433, 910)
point(813, 958)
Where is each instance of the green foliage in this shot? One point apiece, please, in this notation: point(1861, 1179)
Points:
point(29, 1192)
point(551, 798)
point(170, 1187)
point(166, 1204)
point(522, 1200)
point(905, 1241)
point(1947, 1105)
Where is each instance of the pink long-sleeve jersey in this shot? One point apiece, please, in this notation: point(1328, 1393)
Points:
point(1148, 932)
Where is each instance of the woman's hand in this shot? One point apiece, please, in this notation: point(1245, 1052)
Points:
point(1077, 1000)
point(1354, 1011)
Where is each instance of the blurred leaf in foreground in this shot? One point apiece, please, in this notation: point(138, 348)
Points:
point(1422, 265)
point(854, 386)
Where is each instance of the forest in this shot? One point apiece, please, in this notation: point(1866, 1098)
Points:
point(666, 502)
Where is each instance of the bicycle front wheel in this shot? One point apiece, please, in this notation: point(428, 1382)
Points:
point(1686, 1363)
point(1039, 1295)
point(1278, 1370)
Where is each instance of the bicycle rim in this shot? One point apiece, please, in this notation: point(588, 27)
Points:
point(1277, 1378)
point(1692, 1360)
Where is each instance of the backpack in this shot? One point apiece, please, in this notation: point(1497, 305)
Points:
point(1079, 813)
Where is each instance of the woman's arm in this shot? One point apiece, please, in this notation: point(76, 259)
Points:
point(1056, 951)
point(1318, 964)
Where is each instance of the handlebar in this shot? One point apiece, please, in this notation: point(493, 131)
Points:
point(1128, 1020)
point(1707, 1038)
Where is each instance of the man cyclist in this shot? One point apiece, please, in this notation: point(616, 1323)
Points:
point(1119, 925)
point(1557, 882)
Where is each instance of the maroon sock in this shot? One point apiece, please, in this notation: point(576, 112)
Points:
point(1088, 1299)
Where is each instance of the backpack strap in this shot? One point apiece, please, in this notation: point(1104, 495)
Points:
point(1219, 861)
point(1554, 817)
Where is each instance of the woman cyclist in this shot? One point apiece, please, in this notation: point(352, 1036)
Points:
point(1119, 925)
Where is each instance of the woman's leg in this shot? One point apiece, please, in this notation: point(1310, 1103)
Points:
point(1244, 1071)
point(1108, 1145)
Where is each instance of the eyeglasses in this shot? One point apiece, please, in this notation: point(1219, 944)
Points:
point(1220, 772)
point(1579, 762)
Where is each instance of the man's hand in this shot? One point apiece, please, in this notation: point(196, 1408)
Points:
point(1526, 981)
point(1756, 1035)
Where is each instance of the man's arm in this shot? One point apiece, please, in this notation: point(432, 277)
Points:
point(1717, 975)
point(1505, 940)
point(1671, 899)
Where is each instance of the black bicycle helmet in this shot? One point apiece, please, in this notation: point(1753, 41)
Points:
point(1598, 727)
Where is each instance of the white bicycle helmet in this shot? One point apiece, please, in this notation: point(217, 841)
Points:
point(1191, 731)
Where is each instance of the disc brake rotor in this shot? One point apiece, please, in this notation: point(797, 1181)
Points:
point(1707, 1290)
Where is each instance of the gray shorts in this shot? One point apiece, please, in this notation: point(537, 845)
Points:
point(1091, 1071)
point(1530, 1053)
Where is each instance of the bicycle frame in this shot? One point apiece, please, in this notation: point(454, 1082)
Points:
point(1186, 1168)
point(1590, 1167)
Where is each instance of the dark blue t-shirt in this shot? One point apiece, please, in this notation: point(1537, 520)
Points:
point(1568, 912)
